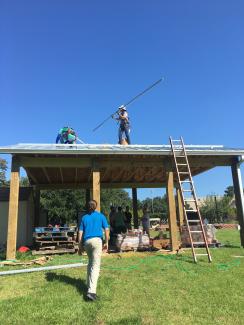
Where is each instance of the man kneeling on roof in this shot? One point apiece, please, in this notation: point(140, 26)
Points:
point(66, 135)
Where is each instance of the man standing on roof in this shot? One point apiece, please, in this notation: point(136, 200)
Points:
point(124, 124)
point(90, 237)
point(66, 135)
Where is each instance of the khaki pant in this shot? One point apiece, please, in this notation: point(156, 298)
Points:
point(93, 247)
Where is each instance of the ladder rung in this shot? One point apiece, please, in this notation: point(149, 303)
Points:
point(193, 220)
point(184, 173)
point(186, 181)
point(179, 156)
point(201, 254)
point(191, 210)
point(189, 200)
point(175, 140)
point(182, 164)
point(198, 242)
point(187, 190)
point(195, 231)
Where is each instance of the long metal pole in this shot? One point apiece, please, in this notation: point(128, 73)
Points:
point(129, 102)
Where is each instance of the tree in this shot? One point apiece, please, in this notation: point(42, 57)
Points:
point(24, 181)
point(219, 209)
point(3, 170)
point(157, 206)
point(229, 191)
point(67, 204)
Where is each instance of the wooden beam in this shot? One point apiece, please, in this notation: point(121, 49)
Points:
point(96, 187)
point(88, 196)
point(31, 177)
point(180, 208)
point(13, 210)
point(34, 162)
point(37, 207)
point(172, 212)
point(76, 175)
point(102, 185)
point(238, 189)
point(46, 175)
point(135, 208)
point(61, 175)
point(123, 162)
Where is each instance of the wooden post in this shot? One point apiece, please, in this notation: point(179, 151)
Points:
point(37, 207)
point(96, 187)
point(238, 189)
point(135, 208)
point(172, 212)
point(88, 196)
point(180, 208)
point(13, 210)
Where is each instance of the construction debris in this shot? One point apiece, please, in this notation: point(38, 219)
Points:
point(38, 261)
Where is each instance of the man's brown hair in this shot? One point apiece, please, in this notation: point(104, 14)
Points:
point(92, 205)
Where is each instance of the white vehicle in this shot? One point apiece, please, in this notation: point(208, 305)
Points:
point(154, 222)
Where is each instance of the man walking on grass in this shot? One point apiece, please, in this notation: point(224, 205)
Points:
point(90, 237)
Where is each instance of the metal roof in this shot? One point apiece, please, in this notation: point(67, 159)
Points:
point(103, 149)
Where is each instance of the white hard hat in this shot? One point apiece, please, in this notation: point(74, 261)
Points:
point(122, 107)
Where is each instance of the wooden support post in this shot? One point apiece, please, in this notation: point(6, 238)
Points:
point(37, 207)
point(180, 208)
point(172, 212)
point(13, 210)
point(88, 196)
point(135, 208)
point(96, 187)
point(238, 189)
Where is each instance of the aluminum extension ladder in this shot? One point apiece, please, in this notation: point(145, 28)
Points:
point(188, 194)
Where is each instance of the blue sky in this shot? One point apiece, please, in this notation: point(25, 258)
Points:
point(74, 62)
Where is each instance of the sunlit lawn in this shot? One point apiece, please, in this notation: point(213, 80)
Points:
point(140, 288)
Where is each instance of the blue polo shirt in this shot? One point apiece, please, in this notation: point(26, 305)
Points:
point(92, 225)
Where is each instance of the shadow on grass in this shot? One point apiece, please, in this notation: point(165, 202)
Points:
point(79, 284)
point(126, 321)
point(230, 245)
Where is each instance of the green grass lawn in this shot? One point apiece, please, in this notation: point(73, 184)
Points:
point(140, 288)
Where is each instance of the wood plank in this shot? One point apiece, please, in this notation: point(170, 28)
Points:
point(180, 208)
point(135, 208)
point(172, 211)
point(88, 196)
point(54, 251)
point(13, 210)
point(46, 175)
point(36, 207)
point(103, 185)
point(96, 187)
point(238, 189)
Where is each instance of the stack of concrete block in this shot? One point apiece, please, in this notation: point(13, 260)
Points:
point(210, 232)
point(128, 242)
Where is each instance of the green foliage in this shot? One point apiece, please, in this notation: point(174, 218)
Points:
point(24, 181)
point(116, 197)
point(229, 191)
point(218, 209)
point(3, 170)
point(67, 204)
point(64, 204)
point(157, 206)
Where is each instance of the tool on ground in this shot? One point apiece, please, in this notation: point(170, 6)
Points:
point(129, 102)
point(188, 194)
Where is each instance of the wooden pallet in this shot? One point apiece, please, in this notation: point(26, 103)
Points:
point(54, 251)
